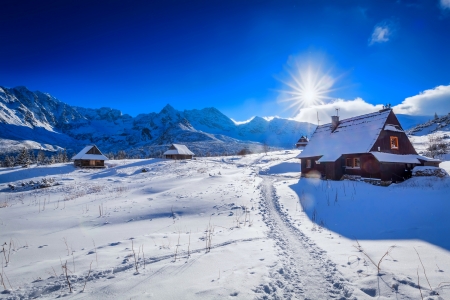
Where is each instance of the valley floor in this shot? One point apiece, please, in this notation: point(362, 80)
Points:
point(223, 227)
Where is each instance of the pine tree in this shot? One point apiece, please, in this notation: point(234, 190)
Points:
point(23, 158)
point(121, 155)
point(40, 157)
point(8, 161)
point(32, 157)
point(11, 161)
point(436, 116)
point(64, 156)
point(47, 160)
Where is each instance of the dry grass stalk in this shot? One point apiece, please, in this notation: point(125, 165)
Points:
point(67, 247)
point(2, 281)
point(423, 269)
point(143, 257)
point(176, 248)
point(87, 277)
point(3, 275)
point(418, 282)
point(64, 268)
point(442, 283)
point(189, 244)
point(377, 265)
point(95, 248)
point(134, 256)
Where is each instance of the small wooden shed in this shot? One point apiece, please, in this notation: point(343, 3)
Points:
point(177, 151)
point(302, 142)
point(89, 157)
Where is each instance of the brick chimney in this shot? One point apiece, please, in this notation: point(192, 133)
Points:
point(334, 122)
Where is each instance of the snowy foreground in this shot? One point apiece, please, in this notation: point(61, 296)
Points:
point(225, 227)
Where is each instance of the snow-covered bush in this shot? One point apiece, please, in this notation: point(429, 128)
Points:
point(429, 171)
point(436, 146)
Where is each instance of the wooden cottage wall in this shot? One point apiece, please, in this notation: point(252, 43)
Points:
point(393, 172)
point(370, 167)
point(330, 170)
point(315, 170)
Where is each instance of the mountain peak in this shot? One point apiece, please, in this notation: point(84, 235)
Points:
point(167, 108)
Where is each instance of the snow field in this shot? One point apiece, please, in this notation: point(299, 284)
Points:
point(173, 207)
point(296, 238)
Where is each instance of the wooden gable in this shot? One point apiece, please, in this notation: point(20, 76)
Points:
point(387, 137)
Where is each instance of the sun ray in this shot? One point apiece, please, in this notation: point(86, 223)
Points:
point(306, 87)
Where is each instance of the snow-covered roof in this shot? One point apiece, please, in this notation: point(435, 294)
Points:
point(83, 154)
point(178, 149)
point(391, 127)
point(353, 135)
point(398, 158)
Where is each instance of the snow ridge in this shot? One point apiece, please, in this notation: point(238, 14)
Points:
point(432, 126)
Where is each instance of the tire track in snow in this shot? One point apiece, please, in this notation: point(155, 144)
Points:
point(304, 271)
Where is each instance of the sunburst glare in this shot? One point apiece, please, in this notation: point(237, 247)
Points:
point(305, 87)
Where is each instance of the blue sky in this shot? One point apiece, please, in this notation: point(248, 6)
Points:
point(238, 56)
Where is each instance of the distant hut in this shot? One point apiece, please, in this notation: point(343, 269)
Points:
point(302, 142)
point(177, 151)
point(89, 157)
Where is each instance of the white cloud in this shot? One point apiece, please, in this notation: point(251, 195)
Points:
point(445, 4)
point(427, 102)
point(383, 32)
point(347, 109)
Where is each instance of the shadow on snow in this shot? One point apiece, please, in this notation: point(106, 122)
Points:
point(415, 209)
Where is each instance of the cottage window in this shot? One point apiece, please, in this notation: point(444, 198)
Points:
point(308, 163)
point(348, 163)
point(394, 142)
point(354, 162)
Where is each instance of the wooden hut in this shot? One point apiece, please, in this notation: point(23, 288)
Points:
point(302, 142)
point(89, 157)
point(177, 151)
point(372, 146)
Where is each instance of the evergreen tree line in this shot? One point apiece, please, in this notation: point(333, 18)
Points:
point(27, 157)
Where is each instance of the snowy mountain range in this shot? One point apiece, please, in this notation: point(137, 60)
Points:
point(40, 121)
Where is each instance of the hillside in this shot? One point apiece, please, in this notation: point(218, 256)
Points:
point(40, 121)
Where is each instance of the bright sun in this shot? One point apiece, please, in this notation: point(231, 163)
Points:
point(307, 87)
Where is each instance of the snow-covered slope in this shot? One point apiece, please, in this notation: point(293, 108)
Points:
point(436, 130)
point(220, 228)
point(431, 126)
point(39, 118)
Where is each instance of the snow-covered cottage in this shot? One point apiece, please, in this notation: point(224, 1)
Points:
point(90, 157)
point(302, 142)
point(371, 146)
point(177, 151)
